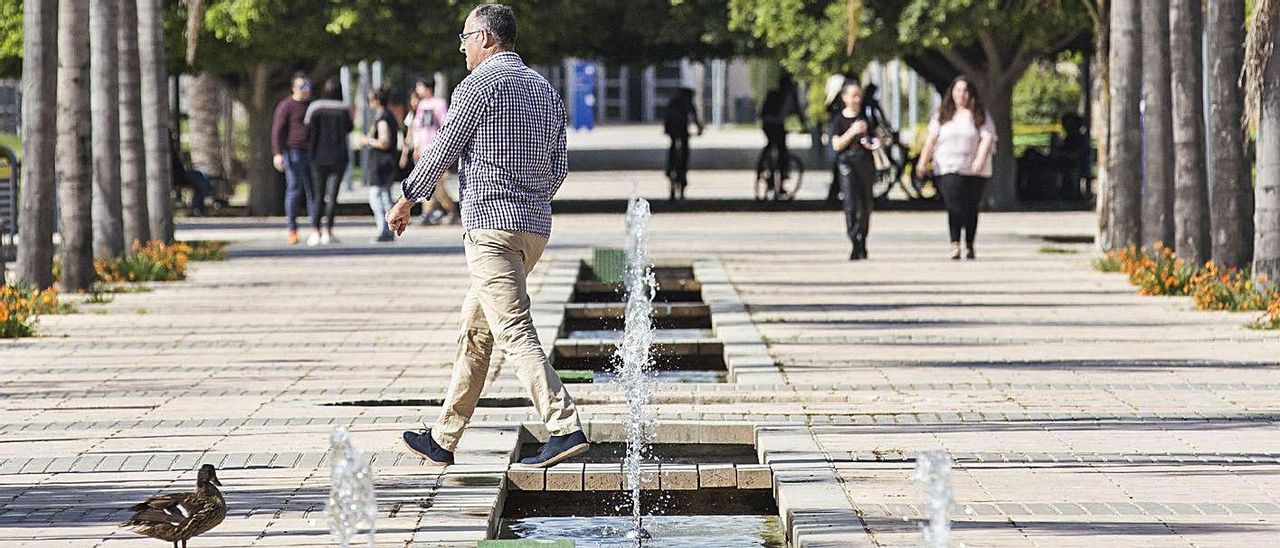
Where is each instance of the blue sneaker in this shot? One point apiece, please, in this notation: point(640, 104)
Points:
point(422, 443)
point(559, 448)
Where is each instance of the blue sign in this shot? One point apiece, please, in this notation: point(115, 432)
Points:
point(582, 106)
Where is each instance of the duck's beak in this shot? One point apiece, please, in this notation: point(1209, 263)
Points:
point(215, 481)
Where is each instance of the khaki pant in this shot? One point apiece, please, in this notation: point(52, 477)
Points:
point(497, 308)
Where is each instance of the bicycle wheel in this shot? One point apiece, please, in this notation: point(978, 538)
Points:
point(764, 176)
point(920, 187)
point(789, 187)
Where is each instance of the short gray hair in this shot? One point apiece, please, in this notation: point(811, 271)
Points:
point(499, 20)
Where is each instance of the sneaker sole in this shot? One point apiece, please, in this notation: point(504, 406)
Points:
point(567, 454)
point(423, 455)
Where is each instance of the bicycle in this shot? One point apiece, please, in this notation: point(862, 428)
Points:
point(898, 171)
point(769, 181)
point(676, 181)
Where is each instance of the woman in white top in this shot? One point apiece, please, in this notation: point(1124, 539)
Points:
point(961, 141)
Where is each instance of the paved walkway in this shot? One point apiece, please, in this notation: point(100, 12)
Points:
point(1078, 414)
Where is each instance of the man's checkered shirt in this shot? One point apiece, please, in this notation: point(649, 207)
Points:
point(507, 125)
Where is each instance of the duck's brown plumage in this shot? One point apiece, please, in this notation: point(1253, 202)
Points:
point(177, 517)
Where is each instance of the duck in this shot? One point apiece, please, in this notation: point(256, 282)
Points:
point(177, 517)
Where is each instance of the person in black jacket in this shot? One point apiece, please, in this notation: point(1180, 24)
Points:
point(328, 124)
point(855, 169)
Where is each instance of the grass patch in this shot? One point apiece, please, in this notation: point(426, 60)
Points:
point(1055, 250)
point(206, 250)
point(576, 376)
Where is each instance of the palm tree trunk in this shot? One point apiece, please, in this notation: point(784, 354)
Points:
point(206, 143)
point(108, 224)
point(75, 189)
point(1099, 110)
point(1124, 157)
point(1191, 201)
point(1232, 191)
point(155, 118)
point(1266, 242)
point(266, 196)
point(1157, 126)
point(39, 111)
point(133, 159)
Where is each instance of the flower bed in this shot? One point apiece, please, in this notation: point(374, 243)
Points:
point(1159, 271)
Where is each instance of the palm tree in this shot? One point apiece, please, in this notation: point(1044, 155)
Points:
point(1157, 126)
point(1099, 110)
point(206, 143)
point(1262, 77)
point(155, 118)
point(133, 159)
point(75, 189)
point(1191, 199)
point(108, 224)
point(1232, 190)
point(39, 110)
point(1123, 159)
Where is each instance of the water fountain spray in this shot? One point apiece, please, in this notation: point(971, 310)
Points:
point(635, 369)
point(352, 505)
point(933, 473)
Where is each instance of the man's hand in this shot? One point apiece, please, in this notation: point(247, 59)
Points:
point(857, 127)
point(278, 161)
point(398, 217)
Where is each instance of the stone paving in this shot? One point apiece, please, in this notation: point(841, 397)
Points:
point(1078, 413)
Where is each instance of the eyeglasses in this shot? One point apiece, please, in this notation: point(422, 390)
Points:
point(463, 37)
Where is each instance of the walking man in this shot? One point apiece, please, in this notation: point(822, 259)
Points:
point(507, 125)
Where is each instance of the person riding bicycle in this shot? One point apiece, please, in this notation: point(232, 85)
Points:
point(680, 111)
point(779, 104)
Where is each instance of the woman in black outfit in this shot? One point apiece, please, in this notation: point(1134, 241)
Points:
point(855, 170)
point(328, 123)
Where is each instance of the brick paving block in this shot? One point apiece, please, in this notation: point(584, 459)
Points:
point(1240, 508)
point(717, 475)
point(135, 463)
point(311, 460)
point(286, 460)
point(1149, 508)
point(1070, 509)
point(12, 465)
point(678, 477)
point(60, 464)
point(36, 465)
point(527, 479)
point(1211, 509)
point(754, 476)
point(111, 463)
point(602, 477)
point(565, 477)
point(235, 460)
point(260, 460)
point(1266, 508)
point(187, 461)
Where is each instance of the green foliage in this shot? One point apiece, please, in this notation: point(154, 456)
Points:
point(10, 38)
point(206, 250)
point(21, 307)
point(1048, 89)
point(1055, 250)
point(153, 262)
